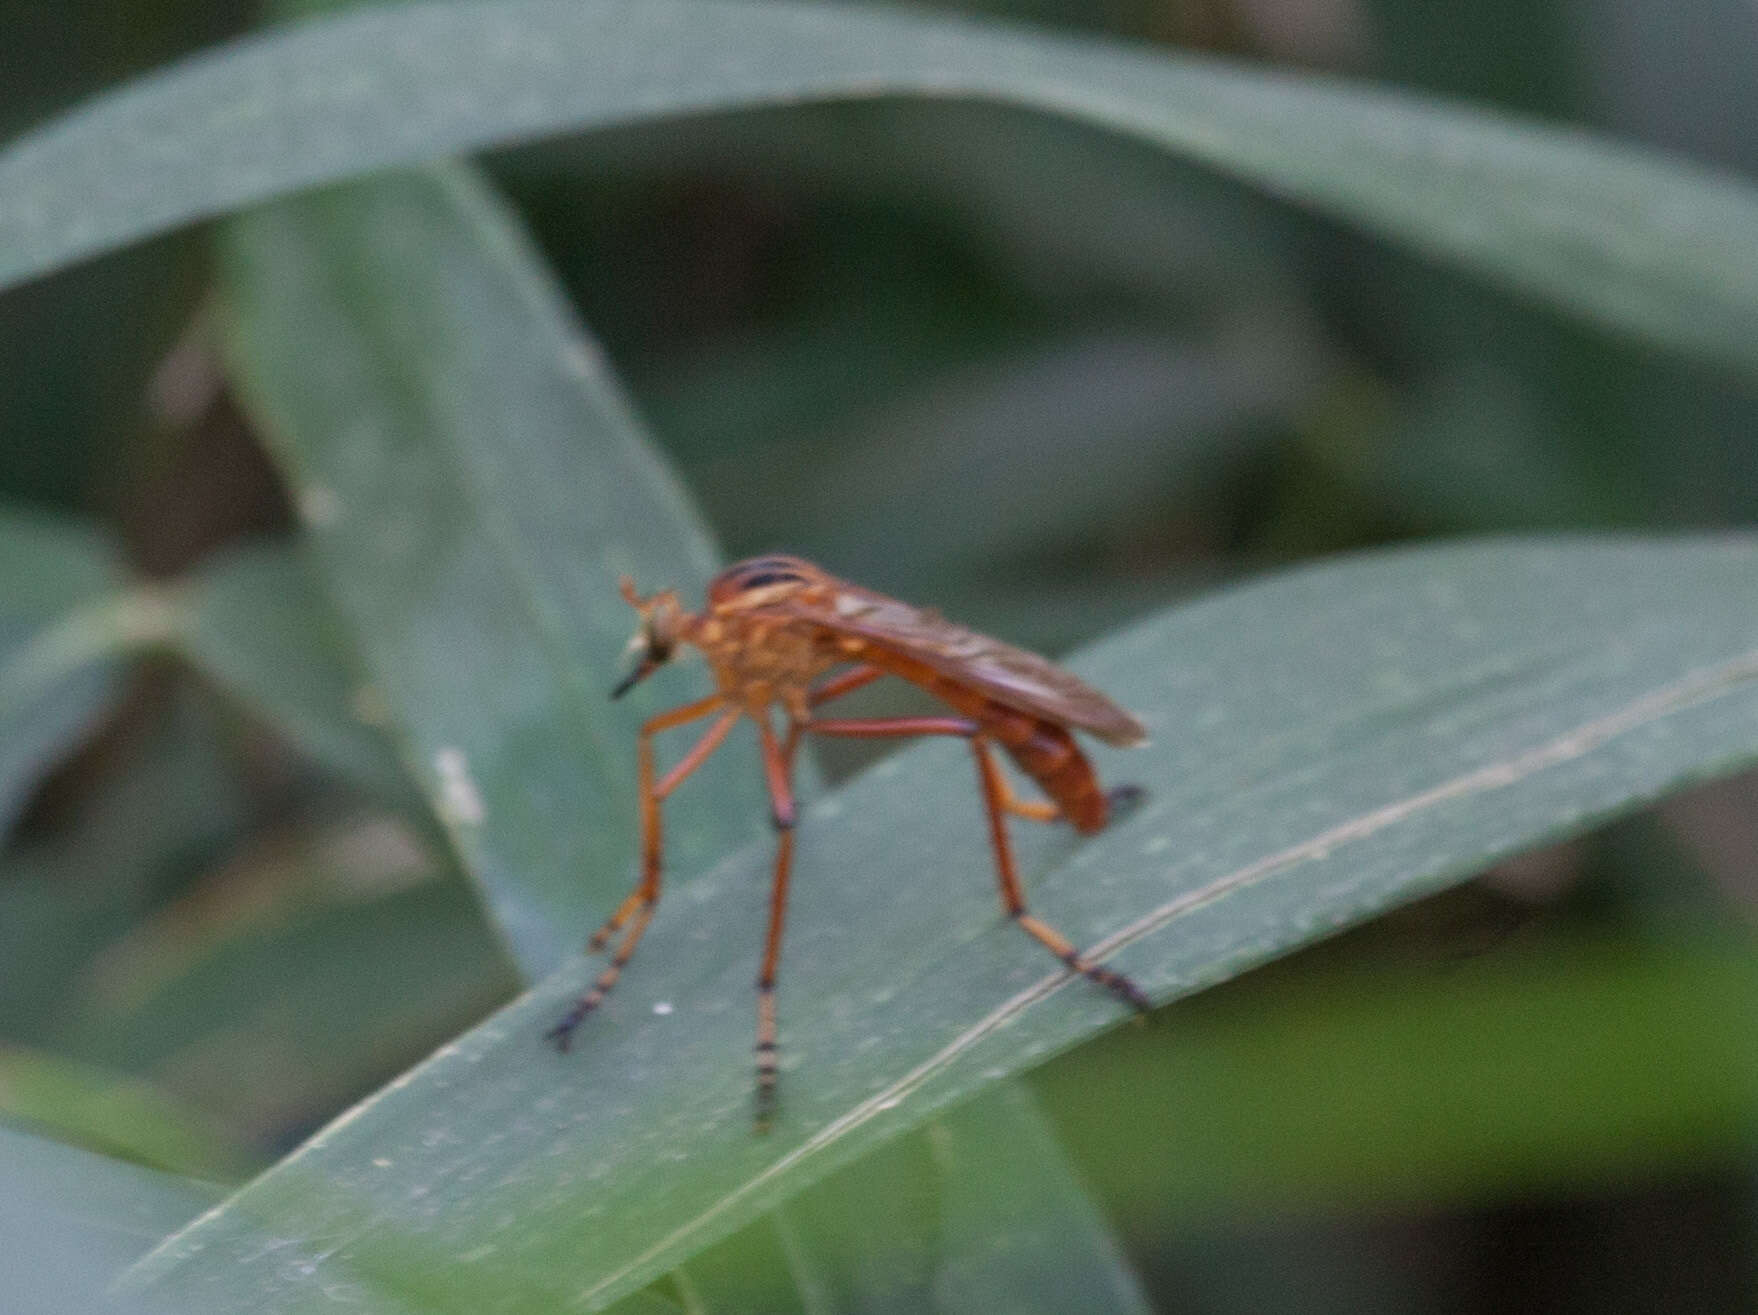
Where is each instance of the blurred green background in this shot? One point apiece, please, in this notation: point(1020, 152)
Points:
point(1046, 380)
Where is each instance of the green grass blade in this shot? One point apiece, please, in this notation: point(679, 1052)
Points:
point(473, 485)
point(1326, 744)
point(1568, 1065)
point(116, 1114)
point(65, 623)
point(256, 623)
point(1018, 1230)
point(279, 1016)
point(980, 1210)
point(70, 1219)
point(1649, 246)
point(168, 798)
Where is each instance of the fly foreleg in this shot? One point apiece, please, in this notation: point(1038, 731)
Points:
point(636, 911)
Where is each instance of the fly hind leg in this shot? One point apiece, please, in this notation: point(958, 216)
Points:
point(1033, 810)
point(995, 799)
point(998, 801)
point(1119, 800)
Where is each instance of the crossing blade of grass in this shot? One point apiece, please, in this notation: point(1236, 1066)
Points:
point(256, 621)
point(1326, 744)
point(1646, 245)
point(1018, 1232)
point(275, 1017)
point(980, 1210)
point(71, 617)
point(118, 1115)
point(69, 1219)
point(67, 621)
point(473, 486)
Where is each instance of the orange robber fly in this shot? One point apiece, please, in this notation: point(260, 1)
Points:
point(774, 630)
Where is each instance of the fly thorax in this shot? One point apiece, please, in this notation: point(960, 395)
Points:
point(758, 662)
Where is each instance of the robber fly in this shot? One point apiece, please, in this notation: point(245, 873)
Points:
point(778, 630)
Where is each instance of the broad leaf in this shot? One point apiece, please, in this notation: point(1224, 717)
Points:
point(1644, 244)
point(1326, 744)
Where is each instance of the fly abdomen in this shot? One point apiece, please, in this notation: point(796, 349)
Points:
point(1044, 751)
point(1049, 755)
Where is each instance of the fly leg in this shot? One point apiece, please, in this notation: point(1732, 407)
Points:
point(777, 774)
point(1013, 898)
point(778, 764)
point(637, 910)
point(865, 674)
point(996, 797)
point(1033, 810)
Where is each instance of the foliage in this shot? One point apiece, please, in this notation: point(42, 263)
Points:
point(325, 799)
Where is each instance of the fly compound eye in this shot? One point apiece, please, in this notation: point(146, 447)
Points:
point(762, 572)
point(662, 622)
point(763, 579)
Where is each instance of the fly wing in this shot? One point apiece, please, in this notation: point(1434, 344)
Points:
point(1006, 674)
